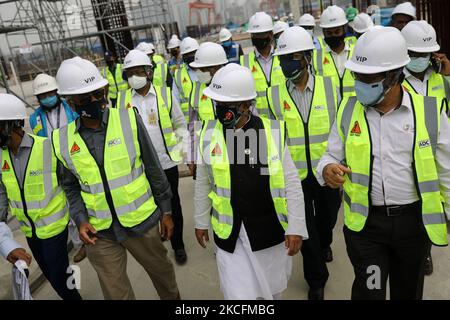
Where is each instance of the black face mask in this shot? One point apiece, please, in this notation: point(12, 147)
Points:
point(174, 52)
point(110, 63)
point(92, 110)
point(5, 138)
point(228, 115)
point(188, 59)
point(334, 42)
point(292, 69)
point(261, 43)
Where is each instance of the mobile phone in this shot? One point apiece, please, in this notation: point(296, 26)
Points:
point(437, 66)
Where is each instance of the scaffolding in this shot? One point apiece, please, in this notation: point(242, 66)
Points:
point(36, 35)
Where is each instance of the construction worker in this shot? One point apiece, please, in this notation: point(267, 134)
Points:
point(118, 192)
point(185, 76)
point(308, 105)
point(350, 14)
point(308, 23)
point(232, 49)
point(175, 57)
point(402, 15)
point(54, 112)
point(113, 73)
point(425, 73)
point(161, 74)
point(390, 151)
point(257, 217)
point(361, 24)
point(166, 127)
point(330, 61)
point(31, 189)
point(264, 66)
point(156, 58)
point(278, 29)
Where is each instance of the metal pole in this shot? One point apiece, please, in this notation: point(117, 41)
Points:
point(40, 35)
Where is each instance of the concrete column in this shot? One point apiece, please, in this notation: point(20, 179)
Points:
point(295, 9)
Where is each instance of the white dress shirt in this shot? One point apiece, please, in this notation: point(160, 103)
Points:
point(147, 107)
point(420, 86)
point(392, 142)
point(340, 58)
point(7, 242)
point(56, 118)
point(265, 63)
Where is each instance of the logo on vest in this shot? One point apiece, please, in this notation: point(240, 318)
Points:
point(185, 80)
point(319, 107)
point(254, 69)
point(356, 130)
point(439, 87)
point(326, 61)
point(34, 173)
point(424, 144)
point(114, 142)
point(5, 166)
point(75, 149)
point(286, 105)
point(129, 105)
point(203, 98)
point(216, 151)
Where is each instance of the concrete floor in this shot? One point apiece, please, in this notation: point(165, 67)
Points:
point(198, 279)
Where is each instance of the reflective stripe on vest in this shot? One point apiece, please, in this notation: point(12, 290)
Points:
point(437, 87)
point(184, 84)
point(202, 103)
point(358, 155)
point(261, 82)
point(319, 122)
point(116, 83)
point(160, 75)
point(218, 168)
point(44, 204)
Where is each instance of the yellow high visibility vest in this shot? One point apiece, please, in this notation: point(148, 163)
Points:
point(160, 75)
point(437, 87)
point(354, 132)
point(122, 171)
point(40, 205)
point(202, 103)
point(184, 84)
point(116, 82)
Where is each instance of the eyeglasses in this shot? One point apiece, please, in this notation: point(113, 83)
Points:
point(87, 97)
point(298, 56)
point(368, 78)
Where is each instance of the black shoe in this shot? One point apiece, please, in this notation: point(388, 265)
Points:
point(180, 256)
point(328, 254)
point(428, 265)
point(316, 294)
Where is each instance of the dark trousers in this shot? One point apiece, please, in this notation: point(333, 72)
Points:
point(177, 214)
point(113, 102)
point(52, 257)
point(397, 247)
point(321, 206)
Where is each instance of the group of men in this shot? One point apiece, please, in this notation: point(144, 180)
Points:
point(276, 139)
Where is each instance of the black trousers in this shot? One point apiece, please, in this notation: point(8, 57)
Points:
point(113, 102)
point(177, 214)
point(52, 257)
point(321, 207)
point(397, 247)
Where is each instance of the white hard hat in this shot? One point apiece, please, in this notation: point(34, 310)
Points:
point(209, 54)
point(306, 20)
point(372, 9)
point(380, 49)
point(260, 22)
point(420, 36)
point(174, 42)
point(12, 108)
point(279, 27)
point(232, 83)
point(145, 47)
point(405, 8)
point(136, 58)
point(44, 83)
point(224, 35)
point(362, 23)
point(78, 76)
point(188, 45)
point(294, 39)
point(333, 16)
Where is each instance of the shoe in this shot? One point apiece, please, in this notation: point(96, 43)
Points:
point(328, 254)
point(80, 255)
point(428, 265)
point(180, 256)
point(316, 294)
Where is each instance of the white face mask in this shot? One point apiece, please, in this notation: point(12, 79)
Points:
point(136, 82)
point(203, 77)
point(419, 64)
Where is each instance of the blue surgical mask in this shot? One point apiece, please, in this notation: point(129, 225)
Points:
point(369, 94)
point(418, 64)
point(49, 102)
point(227, 43)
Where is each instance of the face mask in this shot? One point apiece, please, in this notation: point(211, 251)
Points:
point(174, 52)
point(92, 110)
point(188, 59)
point(334, 42)
point(228, 115)
point(137, 82)
point(110, 64)
point(369, 94)
point(227, 44)
point(418, 64)
point(292, 69)
point(49, 102)
point(261, 43)
point(5, 138)
point(203, 77)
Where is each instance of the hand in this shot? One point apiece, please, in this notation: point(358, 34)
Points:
point(192, 167)
point(445, 63)
point(84, 230)
point(166, 226)
point(202, 237)
point(293, 243)
point(333, 174)
point(19, 254)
